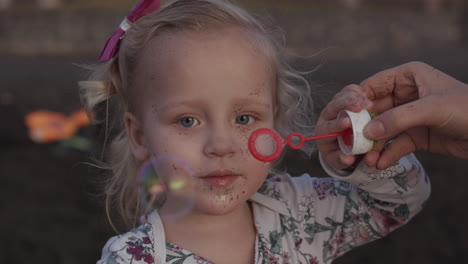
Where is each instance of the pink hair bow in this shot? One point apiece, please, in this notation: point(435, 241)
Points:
point(141, 9)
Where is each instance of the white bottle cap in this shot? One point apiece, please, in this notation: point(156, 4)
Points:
point(360, 144)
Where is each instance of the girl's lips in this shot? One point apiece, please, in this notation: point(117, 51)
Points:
point(220, 181)
point(220, 178)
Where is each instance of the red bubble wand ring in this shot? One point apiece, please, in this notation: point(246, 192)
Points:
point(280, 143)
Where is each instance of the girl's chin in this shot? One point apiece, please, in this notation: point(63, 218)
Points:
point(220, 205)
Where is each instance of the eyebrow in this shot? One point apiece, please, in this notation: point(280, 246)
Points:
point(250, 101)
point(196, 103)
point(186, 103)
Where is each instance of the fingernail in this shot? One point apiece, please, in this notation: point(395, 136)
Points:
point(374, 129)
point(345, 122)
point(357, 102)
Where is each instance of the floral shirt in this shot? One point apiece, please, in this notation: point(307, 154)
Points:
point(301, 219)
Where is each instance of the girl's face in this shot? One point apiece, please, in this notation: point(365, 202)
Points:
point(200, 96)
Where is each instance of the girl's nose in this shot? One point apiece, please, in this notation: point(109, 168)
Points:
point(219, 143)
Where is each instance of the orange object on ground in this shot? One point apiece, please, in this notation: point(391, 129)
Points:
point(46, 126)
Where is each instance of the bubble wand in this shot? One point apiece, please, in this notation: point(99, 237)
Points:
point(266, 145)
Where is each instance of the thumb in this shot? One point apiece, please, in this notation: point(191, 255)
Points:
point(396, 120)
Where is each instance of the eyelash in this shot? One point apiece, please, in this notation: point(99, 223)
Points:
point(252, 118)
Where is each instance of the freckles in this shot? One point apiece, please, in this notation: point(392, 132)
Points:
point(154, 110)
point(244, 154)
point(388, 84)
point(256, 91)
point(183, 132)
point(243, 131)
point(238, 109)
point(243, 134)
point(236, 170)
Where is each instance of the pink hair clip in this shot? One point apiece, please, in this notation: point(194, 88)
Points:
point(141, 9)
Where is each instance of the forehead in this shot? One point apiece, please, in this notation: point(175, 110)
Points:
point(210, 63)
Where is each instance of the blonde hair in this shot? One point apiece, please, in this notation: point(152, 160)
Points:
point(110, 85)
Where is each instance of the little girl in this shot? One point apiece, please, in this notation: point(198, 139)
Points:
point(192, 80)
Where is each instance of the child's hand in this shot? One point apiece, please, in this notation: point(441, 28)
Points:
point(352, 98)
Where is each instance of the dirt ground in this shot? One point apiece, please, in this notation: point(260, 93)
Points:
point(51, 213)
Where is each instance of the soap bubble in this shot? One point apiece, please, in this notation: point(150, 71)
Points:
point(166, 184)
point(265, 144)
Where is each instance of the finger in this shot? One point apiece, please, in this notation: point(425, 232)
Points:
point(338, 160)
point(373, 155)
point(351, 98)
point(382, 104)
point(401, 118)
point(329, 146)
point(340, 124)
point(395, 150)
point(380, 84)
point(332, 126)
point(326, 146)
point(406, 83)
point(394, 81)
point(371, 158)
point(346, 160)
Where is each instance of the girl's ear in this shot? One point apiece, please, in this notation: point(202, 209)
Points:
point(135, 137)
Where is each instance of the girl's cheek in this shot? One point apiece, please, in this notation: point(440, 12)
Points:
point(242, 130)
point(242, 135)
point(242, 140)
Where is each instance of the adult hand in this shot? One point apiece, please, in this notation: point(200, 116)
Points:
point(418, 107)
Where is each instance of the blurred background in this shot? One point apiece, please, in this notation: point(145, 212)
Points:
point(50, 208)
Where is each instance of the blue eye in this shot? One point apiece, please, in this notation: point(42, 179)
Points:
point(244, 120)
point(188, 121)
